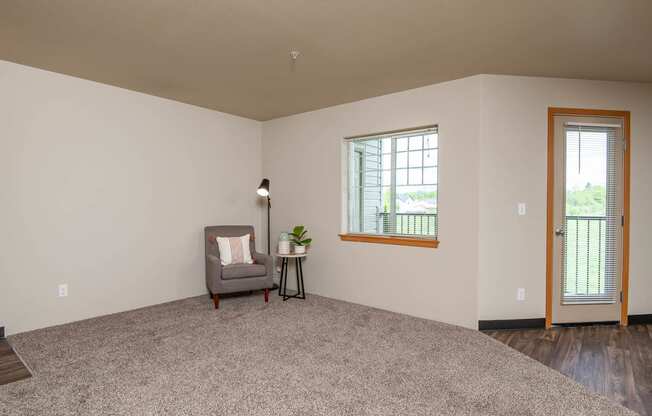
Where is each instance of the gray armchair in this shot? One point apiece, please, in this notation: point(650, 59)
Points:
point(235, 277)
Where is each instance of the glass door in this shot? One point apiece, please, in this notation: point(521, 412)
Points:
point(588, 219)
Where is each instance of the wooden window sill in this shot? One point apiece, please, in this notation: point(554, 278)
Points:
point(394, 240)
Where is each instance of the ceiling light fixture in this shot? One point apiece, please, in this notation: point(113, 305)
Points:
point(294, 54)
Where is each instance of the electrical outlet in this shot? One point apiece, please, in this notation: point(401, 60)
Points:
point(520, 294)
point(63, 290)
point(521, 208)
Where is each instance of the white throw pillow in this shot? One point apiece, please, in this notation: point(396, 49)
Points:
point(234, 250)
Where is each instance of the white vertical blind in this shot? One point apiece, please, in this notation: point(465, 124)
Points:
point(592, 217)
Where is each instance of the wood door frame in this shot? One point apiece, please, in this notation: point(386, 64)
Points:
point(550, 221)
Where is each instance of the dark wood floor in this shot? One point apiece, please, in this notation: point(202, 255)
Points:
point(11, 368)
point(609, 360)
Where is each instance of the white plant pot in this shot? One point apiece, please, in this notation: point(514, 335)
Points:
point(299, 249)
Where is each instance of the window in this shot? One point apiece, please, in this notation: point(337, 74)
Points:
point(592, 216)
point(392, 184)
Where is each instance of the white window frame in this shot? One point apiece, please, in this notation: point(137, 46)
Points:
point(346, 231)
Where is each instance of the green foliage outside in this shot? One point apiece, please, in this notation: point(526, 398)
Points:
point(590, 201)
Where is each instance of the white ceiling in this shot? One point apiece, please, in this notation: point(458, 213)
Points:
point(233, 56)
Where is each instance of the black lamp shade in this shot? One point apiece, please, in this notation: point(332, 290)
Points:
point(263, 188)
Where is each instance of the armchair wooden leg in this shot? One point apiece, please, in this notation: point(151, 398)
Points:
point(266, 295)
point(216, 301)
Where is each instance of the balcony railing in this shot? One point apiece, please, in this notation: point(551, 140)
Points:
point(409, 224)
point(587, 274)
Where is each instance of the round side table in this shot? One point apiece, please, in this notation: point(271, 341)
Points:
point(283, 284)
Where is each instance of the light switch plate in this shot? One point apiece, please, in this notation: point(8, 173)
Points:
point(63, 290)
point(521, 208)
point(520, 294)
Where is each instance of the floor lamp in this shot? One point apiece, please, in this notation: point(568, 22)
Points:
point(263, 190)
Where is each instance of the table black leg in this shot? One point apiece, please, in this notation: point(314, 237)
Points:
point(296, 266)
point(280, 283)
point(303, 288)
point(285, 279)
point(285, 286)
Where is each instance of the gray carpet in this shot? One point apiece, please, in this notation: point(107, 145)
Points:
point(314, 357)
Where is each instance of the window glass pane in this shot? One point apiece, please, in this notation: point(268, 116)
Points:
point(401, 201)
point(416, 159)
point(586, 173)
point(416, 199)
point(430, 141)
point(402, 144)
point(416, 209)
point(402, 160)
point(371, 160)
point(371, 191)
point(355, 164)
point(384, 219)
point(386, 200)
point(387, 162)
point(387, 145)
point(387, 177)
point(371, 178)
point(415, 176)
point(430, 157)
point(370, 204)
point(416, 142)
point(401, 176)
point(430, 176)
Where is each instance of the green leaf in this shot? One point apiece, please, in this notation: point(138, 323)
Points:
point(297, 236)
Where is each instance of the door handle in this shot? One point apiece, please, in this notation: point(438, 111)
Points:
point(559, 232)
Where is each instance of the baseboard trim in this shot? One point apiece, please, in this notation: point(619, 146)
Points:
point(592, 323)
point(512, 324)
point(489, 325)
point(639, 319)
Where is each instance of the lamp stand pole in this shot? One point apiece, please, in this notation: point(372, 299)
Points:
point(269, 245)
point(269, 231)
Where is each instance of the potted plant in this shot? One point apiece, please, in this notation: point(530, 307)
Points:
point(299, 239)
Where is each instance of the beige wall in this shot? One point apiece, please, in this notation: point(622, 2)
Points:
point(493, 155)
point(512, 169)
point(108, 190)
point(303, 161)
